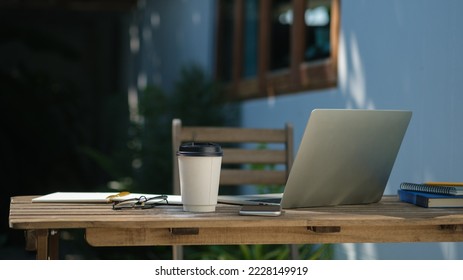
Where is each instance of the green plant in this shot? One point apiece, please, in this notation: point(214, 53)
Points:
point(239, 252)
point(145, 164)
point(196, 99)
point(259, 252)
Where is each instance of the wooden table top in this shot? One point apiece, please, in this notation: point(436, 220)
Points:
point(386, 221)
point(388, 212)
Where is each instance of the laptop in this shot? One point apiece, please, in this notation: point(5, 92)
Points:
point(345, 157)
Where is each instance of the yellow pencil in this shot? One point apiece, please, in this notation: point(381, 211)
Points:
point(111, 197)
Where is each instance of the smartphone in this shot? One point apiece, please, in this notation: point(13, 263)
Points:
point(261, 210)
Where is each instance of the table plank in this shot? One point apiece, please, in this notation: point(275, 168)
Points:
point(270, 235)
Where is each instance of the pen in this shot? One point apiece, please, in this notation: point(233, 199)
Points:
point(111, 197)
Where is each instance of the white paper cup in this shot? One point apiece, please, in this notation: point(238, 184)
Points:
point(199, 170)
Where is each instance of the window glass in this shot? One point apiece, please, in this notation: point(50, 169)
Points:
point(251, 35)
point(317, 31)
point(282, 13)
point(253, 69)
point(226, 39)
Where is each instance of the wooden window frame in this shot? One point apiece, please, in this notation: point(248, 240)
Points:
point(301, 76)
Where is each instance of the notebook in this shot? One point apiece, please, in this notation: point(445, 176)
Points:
point(345, 157)
point(96, 197)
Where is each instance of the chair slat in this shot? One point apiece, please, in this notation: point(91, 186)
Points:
point(278, 152)
point(242, 177)
point(240, 156)
point(232, 135)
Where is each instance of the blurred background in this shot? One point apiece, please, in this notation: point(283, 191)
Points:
point(78, 114)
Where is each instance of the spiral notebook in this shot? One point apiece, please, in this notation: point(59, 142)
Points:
point(345, 157)
point(448, 189)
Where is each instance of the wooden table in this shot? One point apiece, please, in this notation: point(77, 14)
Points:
point(386, 221)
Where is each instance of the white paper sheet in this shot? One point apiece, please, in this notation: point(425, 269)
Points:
point(95, 197)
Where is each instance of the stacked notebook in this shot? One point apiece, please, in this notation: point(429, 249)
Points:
point(432, 194)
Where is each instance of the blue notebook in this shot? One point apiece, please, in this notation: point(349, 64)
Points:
point(430, 200)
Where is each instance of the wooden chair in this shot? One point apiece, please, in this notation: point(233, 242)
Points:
point(239, 153)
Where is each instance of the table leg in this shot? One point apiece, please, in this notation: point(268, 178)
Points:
point(46, 243)
point(177, 252)
point(53, 245)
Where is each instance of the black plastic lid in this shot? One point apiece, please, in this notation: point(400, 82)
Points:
point(198, 149)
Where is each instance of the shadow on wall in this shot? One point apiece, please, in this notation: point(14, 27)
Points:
point(351, 75)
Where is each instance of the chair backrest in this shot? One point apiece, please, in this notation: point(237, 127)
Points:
point(239, 152)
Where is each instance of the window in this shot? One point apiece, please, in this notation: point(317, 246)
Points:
point(271, 47)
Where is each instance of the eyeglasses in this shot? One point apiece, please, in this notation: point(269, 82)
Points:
point(140, 203)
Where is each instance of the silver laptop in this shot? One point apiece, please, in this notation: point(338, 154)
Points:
point(345, 157)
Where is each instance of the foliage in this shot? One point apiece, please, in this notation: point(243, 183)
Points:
point(145, 164)
point(259, 252)
point(200, 101)
point(196, 99)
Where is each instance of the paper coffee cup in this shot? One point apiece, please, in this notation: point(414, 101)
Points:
point(199, 170)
